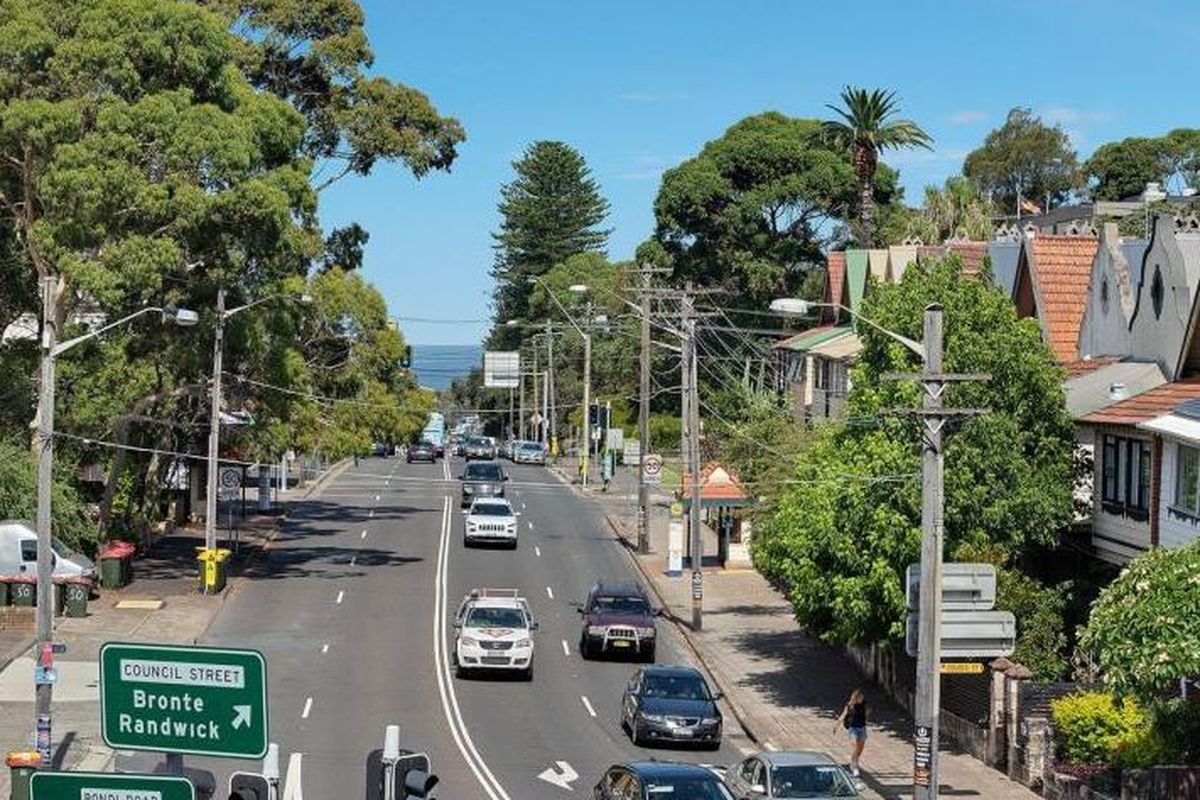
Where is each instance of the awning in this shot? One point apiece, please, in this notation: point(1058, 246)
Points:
point(805, 341)
point(1174, 425)
point(843, 348)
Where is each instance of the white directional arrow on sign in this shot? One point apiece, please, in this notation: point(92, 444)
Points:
point(562, 777)
point(241, 716)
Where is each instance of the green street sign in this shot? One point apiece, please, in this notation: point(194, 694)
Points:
point(107, 786)
point(176, 699)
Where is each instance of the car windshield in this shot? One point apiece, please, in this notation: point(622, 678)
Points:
point(496, 618)
point(687, 789)
point(675, 687)
point(531, 446)
point(478, 443)
point(483, 472)
point(491, 510)
point(621, 604)
point(817, 780)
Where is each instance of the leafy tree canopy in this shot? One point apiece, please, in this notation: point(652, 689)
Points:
point(850, 523)
point(1122, 169)
point(1024, 157)
point(957, 210)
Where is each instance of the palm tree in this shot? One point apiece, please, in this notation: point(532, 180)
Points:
point(867, 126)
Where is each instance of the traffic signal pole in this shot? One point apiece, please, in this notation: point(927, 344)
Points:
point(643, 540)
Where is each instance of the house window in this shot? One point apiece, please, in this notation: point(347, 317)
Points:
point(1187, 480)
point(1125, 474)
point(1157, 292)
point(1104, 295)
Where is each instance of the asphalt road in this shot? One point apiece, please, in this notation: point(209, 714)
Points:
point(348, 607)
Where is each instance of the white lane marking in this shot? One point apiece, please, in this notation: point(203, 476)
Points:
point(353, 559)
point(537, 550)
point(566, 648)
point(530, 524)
point(587, 704)
point(549, 593)
point(325, 648)
point(376, 498)
point(341, 596)
point(449, 698)
point(522, 505)
point(370, 513)
point(363, 535)
point(307, 708)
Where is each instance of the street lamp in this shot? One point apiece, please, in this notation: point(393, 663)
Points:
point(214, 429)
point(44, 445)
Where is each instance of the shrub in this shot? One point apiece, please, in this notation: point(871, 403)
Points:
point(1178, 722)
point(665, 432)
point(1093, 727)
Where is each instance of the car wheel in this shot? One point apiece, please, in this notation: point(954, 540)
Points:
point(527, 675)
point(460, 671)
point(585, 648)
point(716, 745)
point(513, 545)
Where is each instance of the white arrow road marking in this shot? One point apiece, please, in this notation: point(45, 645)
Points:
point(241, 717)
point(292, 780)
point(562, 777)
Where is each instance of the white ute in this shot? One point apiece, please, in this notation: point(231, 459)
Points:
point(493, 630)
point(491, 519)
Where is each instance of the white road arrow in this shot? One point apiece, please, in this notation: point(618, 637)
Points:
point(241, 716)
point(562, 778)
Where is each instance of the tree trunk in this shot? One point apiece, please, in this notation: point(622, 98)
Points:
point(864, 167)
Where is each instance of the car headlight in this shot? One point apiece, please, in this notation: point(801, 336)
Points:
point(468, 490)
point(472, 525)
point(652, 717)
point(526, 642)
point(595, 630)
point(711, 721)
point(646, 633)
point(467, 641)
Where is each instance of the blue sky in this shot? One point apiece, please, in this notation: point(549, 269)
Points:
point(639, 86)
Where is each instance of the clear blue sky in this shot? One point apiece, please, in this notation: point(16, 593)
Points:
point(638, 86)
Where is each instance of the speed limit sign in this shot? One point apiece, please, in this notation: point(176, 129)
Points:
point(230, 478)
point(652, 468)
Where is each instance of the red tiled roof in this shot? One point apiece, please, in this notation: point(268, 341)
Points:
point(723, 485)
point(971, 253)
point(1085, 365)
point(835, 275)
point(1061, 267)
point(1147, 405)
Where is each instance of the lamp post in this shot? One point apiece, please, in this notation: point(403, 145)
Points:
point(44, 446)
point(580, 289)
point(214, 429)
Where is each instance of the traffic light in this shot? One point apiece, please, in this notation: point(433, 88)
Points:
point(249, 786)
point(412, 777)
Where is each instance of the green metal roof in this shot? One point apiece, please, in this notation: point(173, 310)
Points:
point(805, 341)
point(857, 267)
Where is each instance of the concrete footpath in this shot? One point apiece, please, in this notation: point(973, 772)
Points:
point(785, 687)
point(161, 605)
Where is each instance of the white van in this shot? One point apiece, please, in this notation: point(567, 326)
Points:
point(18, 553)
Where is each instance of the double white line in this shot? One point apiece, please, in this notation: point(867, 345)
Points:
point(458, 728)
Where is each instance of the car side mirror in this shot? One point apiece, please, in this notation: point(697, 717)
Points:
point(456, 624)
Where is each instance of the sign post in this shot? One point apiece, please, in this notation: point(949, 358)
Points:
point(185, 700)
point(108, 786)
point(652, 465)
point(675, 541)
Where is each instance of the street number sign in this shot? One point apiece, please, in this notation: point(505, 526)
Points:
point(962, 668)
point(179, 699)
point(108, 786)
point(652, 468)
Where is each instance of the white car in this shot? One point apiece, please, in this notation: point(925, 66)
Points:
point(493, 630)
point(490, 519)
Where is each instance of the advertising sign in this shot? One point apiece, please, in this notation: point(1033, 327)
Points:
point(501, 369)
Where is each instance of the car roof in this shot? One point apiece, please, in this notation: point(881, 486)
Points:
point(497, 602)
point(796, 758)
point(619, 589)
point(671, 671)
point(667, 769)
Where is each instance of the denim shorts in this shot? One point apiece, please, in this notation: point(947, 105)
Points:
point(857, 734)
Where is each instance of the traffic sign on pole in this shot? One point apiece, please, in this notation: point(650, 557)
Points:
point(178, 699)
point(652, 468)
point(106, 786)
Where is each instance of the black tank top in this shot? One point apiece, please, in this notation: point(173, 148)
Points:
point(856, 715)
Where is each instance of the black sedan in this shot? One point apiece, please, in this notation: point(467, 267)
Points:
point(671, 704)
point(421, 451)
point(648, 780)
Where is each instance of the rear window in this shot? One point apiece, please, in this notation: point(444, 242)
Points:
point(483, 472)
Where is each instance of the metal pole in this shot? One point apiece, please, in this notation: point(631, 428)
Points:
point(521, 407)
point(550, 389)
point(643, 544)
point(693, 429)
point(44, 445)
point(214, 430)
point(544, 427)
point(536, 431)
point(928, 689)
point(512, 429)
point(587, 396)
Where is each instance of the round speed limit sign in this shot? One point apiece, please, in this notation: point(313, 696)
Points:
point(652, 468)
point(230, 478)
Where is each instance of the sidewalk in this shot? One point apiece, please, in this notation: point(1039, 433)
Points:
point(784, 686)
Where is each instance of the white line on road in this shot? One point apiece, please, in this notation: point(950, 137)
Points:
point(566, 648)
point(549, 593)
point(363, 535)
point(530, 524)
point(370, 513)
point(376, 498)
point(325, 648)
point(587, 704)
point(537, 550)
point(522, 505)
point(307, 708)
point(353, 559)
point(341, 596)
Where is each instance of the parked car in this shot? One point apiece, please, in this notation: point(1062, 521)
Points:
point(671, 704)
point(652, 780)
point(803, 773)
point(529, 453)
point(479, 447)
point(18, 553)
point(617, 618)
point(421, 451)
point(481, 479)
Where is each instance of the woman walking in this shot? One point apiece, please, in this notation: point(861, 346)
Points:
point(854, 720)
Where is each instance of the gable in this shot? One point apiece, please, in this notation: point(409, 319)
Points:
point(1057, 269)
point(1104, 330)
point(1166, 290)
point(856, 279)
point(899, 257)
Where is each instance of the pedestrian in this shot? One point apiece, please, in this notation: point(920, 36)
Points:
point(854, 719)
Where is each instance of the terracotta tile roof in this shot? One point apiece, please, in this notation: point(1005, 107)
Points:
point(971, 253)
point(1061, 267)
point(717, 483)
point(1085, 365)
point(835, 275)
point(1148, 405)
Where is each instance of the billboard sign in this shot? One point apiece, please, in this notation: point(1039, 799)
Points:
point(501, 369)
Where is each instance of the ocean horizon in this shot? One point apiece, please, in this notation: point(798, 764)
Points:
point(439, 365)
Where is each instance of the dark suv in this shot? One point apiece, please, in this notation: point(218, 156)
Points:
point(481, 479)
point(617, 618)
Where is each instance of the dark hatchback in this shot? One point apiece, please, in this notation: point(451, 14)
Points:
point(421, 451)
point(671, 704)
point(648, 780)
point(617, 619)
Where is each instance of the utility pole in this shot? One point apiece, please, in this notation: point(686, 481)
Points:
point(535, 431)
point(550, 414)
point(44, 444)
point(521, 407)
point(696, 542)
point(643, 540)
point(587, 392)
point(214, 429)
